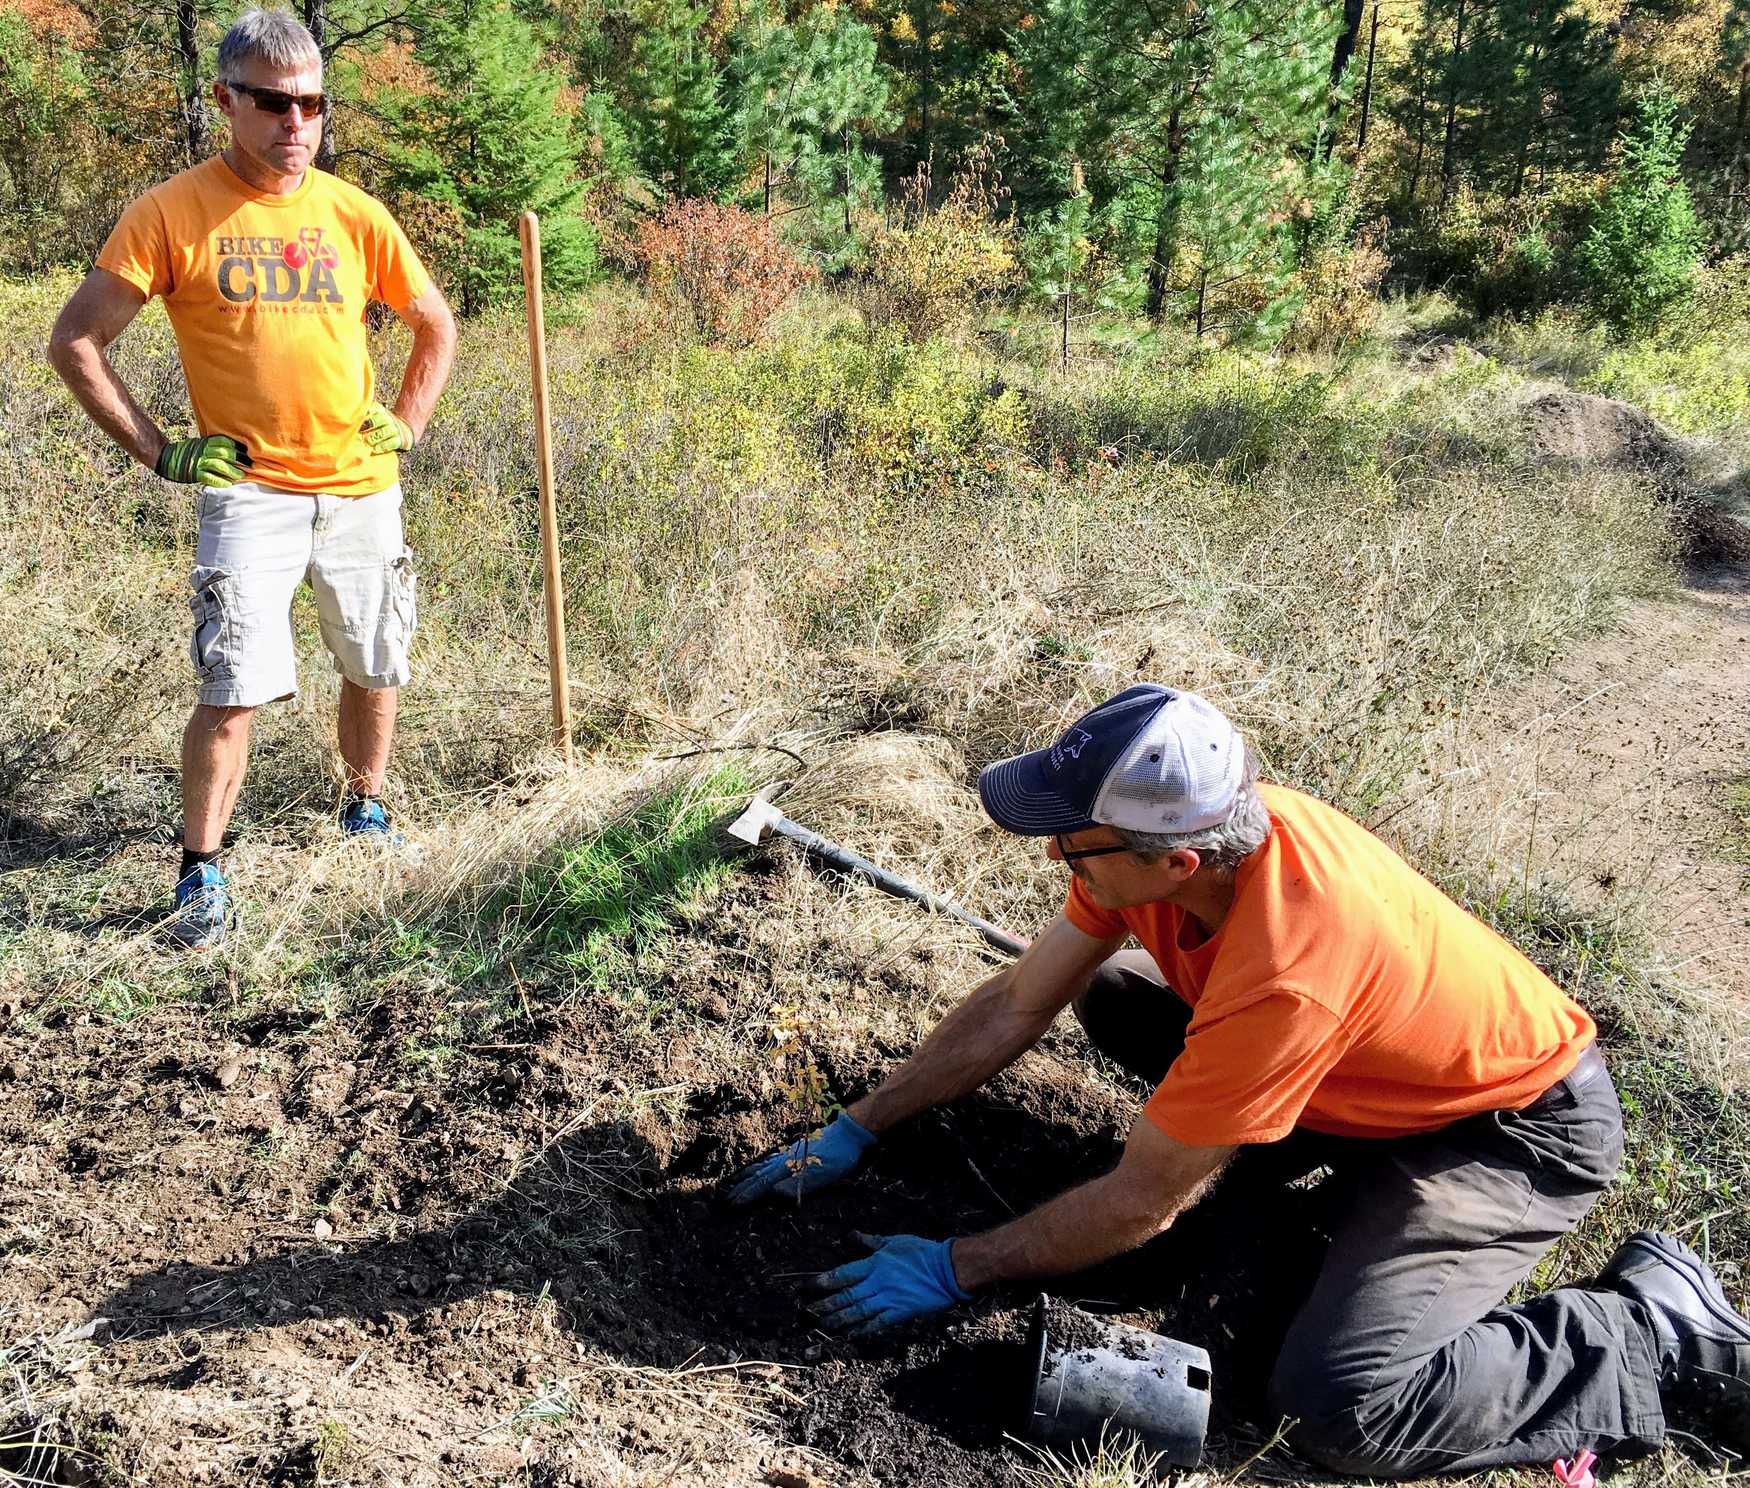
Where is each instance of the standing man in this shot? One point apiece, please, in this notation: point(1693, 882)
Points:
point(1332, 1006)
point(266, 266)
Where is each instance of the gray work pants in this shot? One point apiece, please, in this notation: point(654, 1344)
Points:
point(1403, 1361)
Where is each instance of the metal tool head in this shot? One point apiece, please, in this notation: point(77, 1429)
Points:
point(752, 825)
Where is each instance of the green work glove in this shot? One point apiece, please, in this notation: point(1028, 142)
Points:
point(217, 460)
point(385, 431)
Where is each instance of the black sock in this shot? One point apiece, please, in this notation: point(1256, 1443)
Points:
point(192, 860)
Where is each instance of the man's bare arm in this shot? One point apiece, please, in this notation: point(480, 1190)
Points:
point(428, 364)
point(991, 1029)
point(99, 311)
point(1155, 1181)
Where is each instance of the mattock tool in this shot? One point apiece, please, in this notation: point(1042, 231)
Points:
point(762, 816)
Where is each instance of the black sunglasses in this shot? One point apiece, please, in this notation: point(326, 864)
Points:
point(272, 101)
point(1076, 855)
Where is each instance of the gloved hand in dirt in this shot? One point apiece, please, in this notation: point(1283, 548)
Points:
point(907, 1277)
point(811, 1163)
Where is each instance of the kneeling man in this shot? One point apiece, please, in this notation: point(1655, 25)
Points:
point(1300, 979)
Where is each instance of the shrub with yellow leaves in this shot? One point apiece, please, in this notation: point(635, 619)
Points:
point(933, 268)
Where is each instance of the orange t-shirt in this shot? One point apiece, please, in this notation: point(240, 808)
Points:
point(1344, 993)
point(267, 297)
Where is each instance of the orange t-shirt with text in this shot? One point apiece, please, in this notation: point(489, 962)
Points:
point(267, 297)
point(1344, 993)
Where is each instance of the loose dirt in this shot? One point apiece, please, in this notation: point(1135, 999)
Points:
point(244, 1344)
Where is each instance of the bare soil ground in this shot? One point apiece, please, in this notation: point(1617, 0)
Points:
point(1619, 762)
point(600, 1316)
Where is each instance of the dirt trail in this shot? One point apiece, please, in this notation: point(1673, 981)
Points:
point(1609, 776)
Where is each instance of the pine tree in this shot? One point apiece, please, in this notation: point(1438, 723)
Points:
point(1493, 90)
point(804, 93)
point(1644, 247)
point(489, 140)
point(1200, 123)
point(678, 114)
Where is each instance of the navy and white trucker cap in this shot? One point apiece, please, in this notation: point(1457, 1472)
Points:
point(1151, 759)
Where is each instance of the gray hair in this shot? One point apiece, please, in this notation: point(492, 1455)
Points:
point(1225, 845)
point(276, 37)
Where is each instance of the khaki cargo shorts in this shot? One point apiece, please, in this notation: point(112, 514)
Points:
point(256, 545)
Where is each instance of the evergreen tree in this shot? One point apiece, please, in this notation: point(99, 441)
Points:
point(1492, 90)
point(677, 110)
point(1200, 122)
point(952, 68)
point(804, 93)
point(1645, 244)
point(489, 140)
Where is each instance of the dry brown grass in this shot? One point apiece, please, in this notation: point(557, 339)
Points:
point(754, 576)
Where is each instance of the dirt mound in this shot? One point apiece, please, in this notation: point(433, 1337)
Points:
point(1606, 433)
point(1589, 430)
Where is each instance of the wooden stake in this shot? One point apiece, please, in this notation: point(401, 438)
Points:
point(554, 590)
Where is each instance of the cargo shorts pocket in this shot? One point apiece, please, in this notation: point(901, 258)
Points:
point(403, 600)
point(212, 602)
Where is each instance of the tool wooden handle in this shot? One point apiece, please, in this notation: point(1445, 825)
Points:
point(530, 232)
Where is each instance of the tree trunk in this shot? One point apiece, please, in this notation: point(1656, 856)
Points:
point(1446, 149)
point(845, 136)
point(1367, 83)
point(1741, 154)
point(1534, 118)
point(923, 30)
point(316, 21)
point(768, 155)
point(1202, 292)
point(1346, 39)
point(1167, 224)
point(1421, 127)
point(1063, 356)
point(1340, 55)
point(197, 134)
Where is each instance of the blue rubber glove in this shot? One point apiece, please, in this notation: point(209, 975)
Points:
point(905, 1278)
point(815, 1161)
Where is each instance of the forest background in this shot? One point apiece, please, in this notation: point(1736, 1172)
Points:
point(1249, 169)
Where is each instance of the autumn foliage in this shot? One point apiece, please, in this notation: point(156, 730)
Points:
point(938, 263)
point(718, 268)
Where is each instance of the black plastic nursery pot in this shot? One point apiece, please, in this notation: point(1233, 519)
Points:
point(1098, 1378)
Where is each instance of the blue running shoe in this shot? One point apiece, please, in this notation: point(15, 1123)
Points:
point(203, 909)
point(363, 816)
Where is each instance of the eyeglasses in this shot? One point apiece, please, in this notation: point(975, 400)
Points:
point(1075, 855)
point(272, 101)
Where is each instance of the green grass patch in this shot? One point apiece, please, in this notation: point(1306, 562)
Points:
point(605, 906)
point(594, 917)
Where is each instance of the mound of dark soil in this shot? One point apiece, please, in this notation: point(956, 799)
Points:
point(1583, 429)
